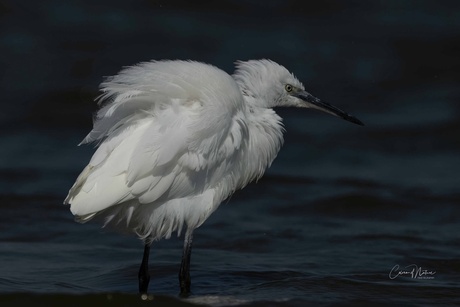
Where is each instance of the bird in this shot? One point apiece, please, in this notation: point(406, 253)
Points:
point(175, 138)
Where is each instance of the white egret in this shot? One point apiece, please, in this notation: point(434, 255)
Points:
point(176, 138)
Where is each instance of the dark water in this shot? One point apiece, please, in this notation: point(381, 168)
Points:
point(339, 209)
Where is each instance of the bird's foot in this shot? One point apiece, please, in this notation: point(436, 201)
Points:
point(143, 283)
point(184, 293)
point(185, 283)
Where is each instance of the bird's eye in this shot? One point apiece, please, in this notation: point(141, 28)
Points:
point(288, 88)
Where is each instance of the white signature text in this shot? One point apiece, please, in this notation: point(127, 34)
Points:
point(412, 271)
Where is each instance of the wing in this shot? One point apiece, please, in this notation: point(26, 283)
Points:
point(171, 130)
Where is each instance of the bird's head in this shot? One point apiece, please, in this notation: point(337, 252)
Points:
point(268, 84)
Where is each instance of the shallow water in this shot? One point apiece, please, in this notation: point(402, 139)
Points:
point(341, 206)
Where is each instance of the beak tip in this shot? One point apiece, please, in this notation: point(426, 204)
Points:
point(356, 121)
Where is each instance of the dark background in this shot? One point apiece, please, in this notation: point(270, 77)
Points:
point(340, 206)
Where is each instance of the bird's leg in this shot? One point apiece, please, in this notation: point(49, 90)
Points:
point(184, 273)
point(144, 276)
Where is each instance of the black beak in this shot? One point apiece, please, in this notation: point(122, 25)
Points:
point(316, 103)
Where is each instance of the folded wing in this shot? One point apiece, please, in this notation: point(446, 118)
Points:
point(162, 136)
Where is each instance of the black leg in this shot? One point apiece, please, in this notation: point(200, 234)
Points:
point(184, 273)
point(144, 276)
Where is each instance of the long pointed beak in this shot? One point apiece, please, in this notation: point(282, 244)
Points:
point(316, 103)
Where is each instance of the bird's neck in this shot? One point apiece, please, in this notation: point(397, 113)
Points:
point(265, 130)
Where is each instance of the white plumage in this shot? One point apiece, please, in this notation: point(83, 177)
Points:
point(176, 138)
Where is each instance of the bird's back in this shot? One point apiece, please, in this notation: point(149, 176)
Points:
point(169, 134)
